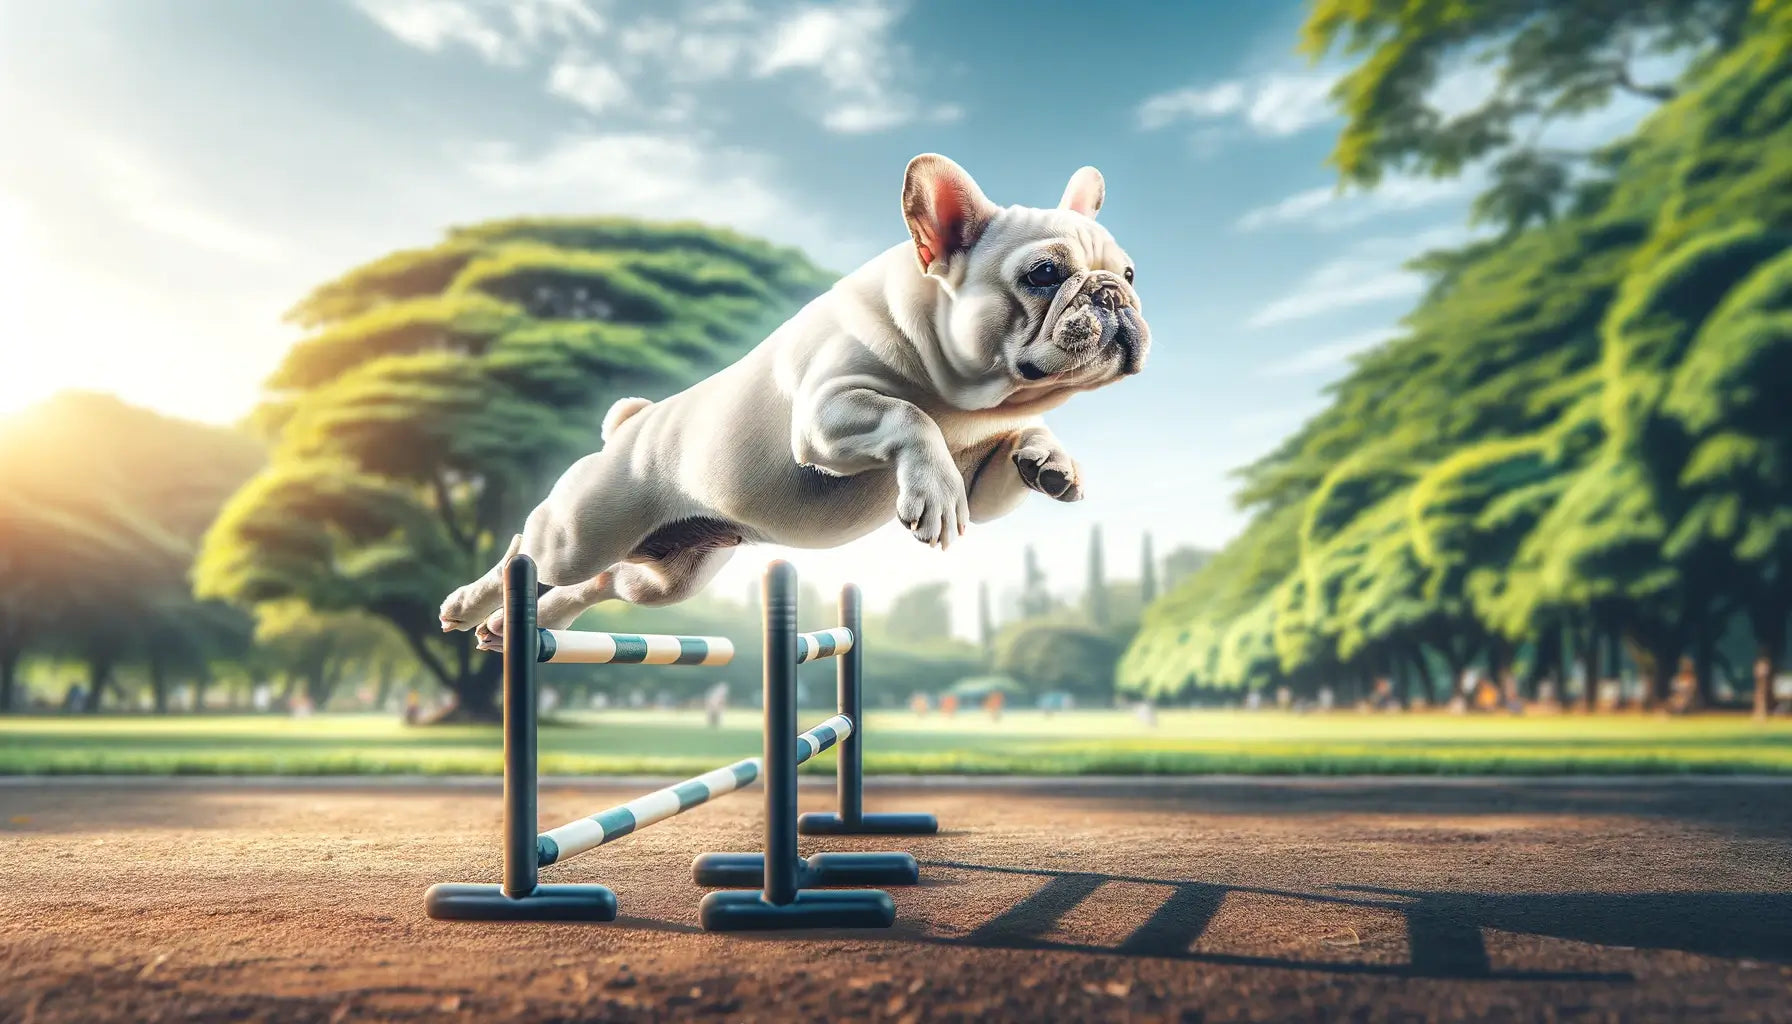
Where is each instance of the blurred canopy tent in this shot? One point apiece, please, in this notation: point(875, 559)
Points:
point(1579, 452)
point(979, 687)
point(440, 392)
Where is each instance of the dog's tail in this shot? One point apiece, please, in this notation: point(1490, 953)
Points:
point(621, 411)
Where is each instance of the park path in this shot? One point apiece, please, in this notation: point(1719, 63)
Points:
point(1194, 901)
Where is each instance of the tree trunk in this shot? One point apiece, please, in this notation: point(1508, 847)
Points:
point(383, 689)
point(1589, 668)
point(99, 676)
point(9, 674)
point(1614, 659)
point(1544, 653)
point(1564, 640)
point(474, 681)
point(158, 684)
point(1422, 675)
point(1657, 662)
point(1769, 625)
point(1704, 664)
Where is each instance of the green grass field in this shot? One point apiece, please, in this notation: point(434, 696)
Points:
point(1027, 743)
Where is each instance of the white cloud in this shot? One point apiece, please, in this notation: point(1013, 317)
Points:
point(843, 43)
point(435, 25)
point(1325, 292)
point(848, 51)
point(851, 49)
point(1274, 104)
point(1326, 358)
point(499, 31)
point(1206, 103)
point(1369, 271)
point(648, 37)
point(656, 175)
point(1287, 104)
point(592, 85)
point(1329, 208)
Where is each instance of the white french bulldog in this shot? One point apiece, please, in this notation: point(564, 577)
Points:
point(917, 384)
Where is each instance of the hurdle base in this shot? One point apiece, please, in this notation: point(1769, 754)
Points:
point(737, 911)
point(467, 901)
point(827, 823)
point(821, 871)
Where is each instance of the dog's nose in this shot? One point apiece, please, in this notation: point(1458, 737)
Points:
point(1109, 296)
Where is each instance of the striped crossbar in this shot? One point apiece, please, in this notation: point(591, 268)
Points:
point(825, 644)
point(576, 837)
point(587, 648)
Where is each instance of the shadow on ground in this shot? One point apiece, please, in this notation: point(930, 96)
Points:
point(1444, 928)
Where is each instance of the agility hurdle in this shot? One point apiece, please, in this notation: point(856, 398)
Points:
point(522, 896)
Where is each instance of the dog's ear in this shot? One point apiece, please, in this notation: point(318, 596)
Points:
point(1084, 193)
point(945, 210)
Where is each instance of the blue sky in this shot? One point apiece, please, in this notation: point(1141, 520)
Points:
point(184, 171)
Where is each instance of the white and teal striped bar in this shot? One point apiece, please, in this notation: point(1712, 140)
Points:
point(587, 648)
point(825, 644)
point(576, 837)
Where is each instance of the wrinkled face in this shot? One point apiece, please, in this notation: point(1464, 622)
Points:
point(1047, 297)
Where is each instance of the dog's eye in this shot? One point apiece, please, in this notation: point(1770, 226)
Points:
point(1128, 275)
point(1043, 276)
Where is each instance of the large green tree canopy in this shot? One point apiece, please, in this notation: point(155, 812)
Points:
point(439, 392)
point(1575, 441)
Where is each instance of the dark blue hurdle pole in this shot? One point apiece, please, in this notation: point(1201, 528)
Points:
point(849, 771)
point(781, 903)
point(521, 873)
point(780, 734)
point(521, 897)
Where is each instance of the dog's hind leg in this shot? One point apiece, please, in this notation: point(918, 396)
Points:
point(668, 580)
point(594, 516)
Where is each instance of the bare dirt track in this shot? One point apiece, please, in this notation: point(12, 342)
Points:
point(1196, 901)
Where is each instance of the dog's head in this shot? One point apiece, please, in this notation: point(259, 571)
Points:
point(1042, 299)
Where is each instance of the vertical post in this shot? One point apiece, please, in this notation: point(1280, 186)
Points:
point(849, 773)
point(780, 734)
point(520, 639)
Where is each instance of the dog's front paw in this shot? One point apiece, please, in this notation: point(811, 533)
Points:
point(489, 636)
point(468, 606)
point(933, 505)
point(1050, 472)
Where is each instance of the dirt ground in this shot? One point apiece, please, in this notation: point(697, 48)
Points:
point(1197, 901)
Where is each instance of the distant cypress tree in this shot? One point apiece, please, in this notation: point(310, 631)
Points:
point(1095, 594)
point(1035, 600)
point(1147, 572)
point(986, 625)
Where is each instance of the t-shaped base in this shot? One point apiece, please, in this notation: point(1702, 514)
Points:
point(821, 871)
point(466, 901)
point(821, 908)
point(900, 824)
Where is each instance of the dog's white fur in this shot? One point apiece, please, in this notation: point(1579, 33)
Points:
point(916, 384)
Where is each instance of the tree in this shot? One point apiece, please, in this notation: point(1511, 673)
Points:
point(441, 390)
point(1049, 658)
point(986, 625)
point(1095, 590)
point(1183, 562)
point(1035, 600)
point(316, 653)
point(1147, 571)
point(96, 560)
point(921, 614)
point(1545, 61)
point(1567, 452)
